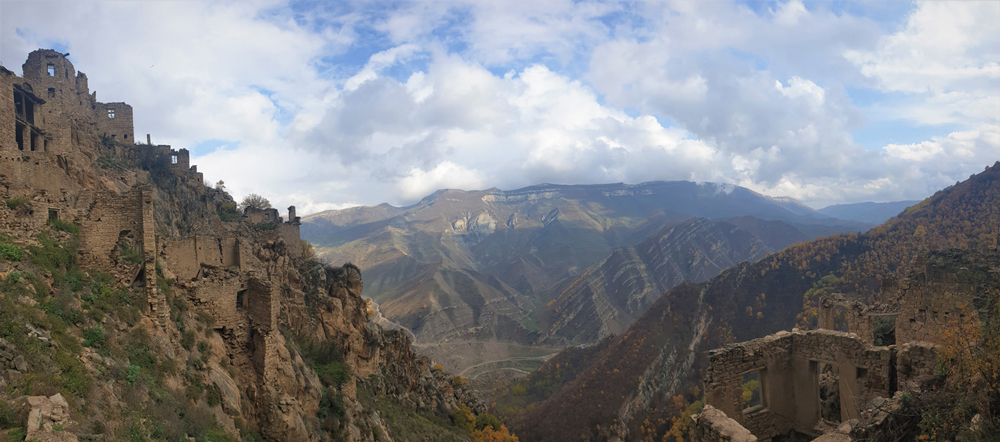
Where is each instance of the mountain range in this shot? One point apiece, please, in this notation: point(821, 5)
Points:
point(551, 264)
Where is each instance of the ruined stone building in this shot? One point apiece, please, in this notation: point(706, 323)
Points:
point(801, 385)
point(49, 120)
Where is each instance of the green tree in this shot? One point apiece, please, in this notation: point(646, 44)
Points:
point(255, 201)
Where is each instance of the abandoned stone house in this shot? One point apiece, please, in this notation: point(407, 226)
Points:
point(51, 127)
point(801, 384)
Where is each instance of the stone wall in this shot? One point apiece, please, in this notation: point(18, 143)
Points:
point(115, 120)
point(7, 142)
point(788, 367)
point(254, 215)
point(185, 256)
point(111, 218)
point(930, 299)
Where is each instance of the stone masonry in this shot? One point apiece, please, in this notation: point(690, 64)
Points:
point(811, 381)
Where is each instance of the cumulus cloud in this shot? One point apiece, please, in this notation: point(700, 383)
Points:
point(328, 105)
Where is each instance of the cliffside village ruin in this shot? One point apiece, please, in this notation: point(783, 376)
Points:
point(823, 383)
point(48, 121)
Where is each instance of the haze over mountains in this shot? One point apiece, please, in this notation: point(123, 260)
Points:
point(552, 264)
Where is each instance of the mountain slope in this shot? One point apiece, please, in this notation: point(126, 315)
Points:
point(606, 300)
point(871, 213)
point(663, 353)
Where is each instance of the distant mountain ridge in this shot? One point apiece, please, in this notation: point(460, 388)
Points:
point(480, 265)
point(872, 213)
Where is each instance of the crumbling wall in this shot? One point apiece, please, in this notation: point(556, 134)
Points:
point(7, 141)
point(254, 215)
point(115, 120)
point(110, 216)
point(66, 93)
point(855, 314)
point(788, 367)
point(185, 256)
point(217, 293)
point(931, 299)
point(916, 364)
point(712, 425)
point(180, 161)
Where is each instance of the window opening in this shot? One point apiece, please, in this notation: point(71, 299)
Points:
point(34, 141)
point(884, 330)
point(240, 296)
point(29, 111)
point(861, 378)
point(829, 392)
point(18, 103)
point(753, 391)
point(51, 69)
point(53, 214)
point(840, 319)
point(52, 92)
point(173, 159)
point(111, 113)
point(19, 136)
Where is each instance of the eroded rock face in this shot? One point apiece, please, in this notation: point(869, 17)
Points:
point(383, 359)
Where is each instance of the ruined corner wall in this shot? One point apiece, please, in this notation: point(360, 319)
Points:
point(289, 232)
point(113, 216)
point(788, 367)
point(261, 301)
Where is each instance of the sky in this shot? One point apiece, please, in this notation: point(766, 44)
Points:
point(327, 105)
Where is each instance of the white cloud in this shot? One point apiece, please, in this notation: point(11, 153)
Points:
point(947, 54)
point(446, 175)
point(326, 105)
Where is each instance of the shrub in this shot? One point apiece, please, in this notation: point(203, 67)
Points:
point(486, 419)
point(17, 202)
point(265, 226)
point(227, 212)
point(64, 226)
point(213, 395)
point(11, 252)
point(463, 418)
point(187, 340)
point(335, 373)
point(53, 255)
point(94, 338)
